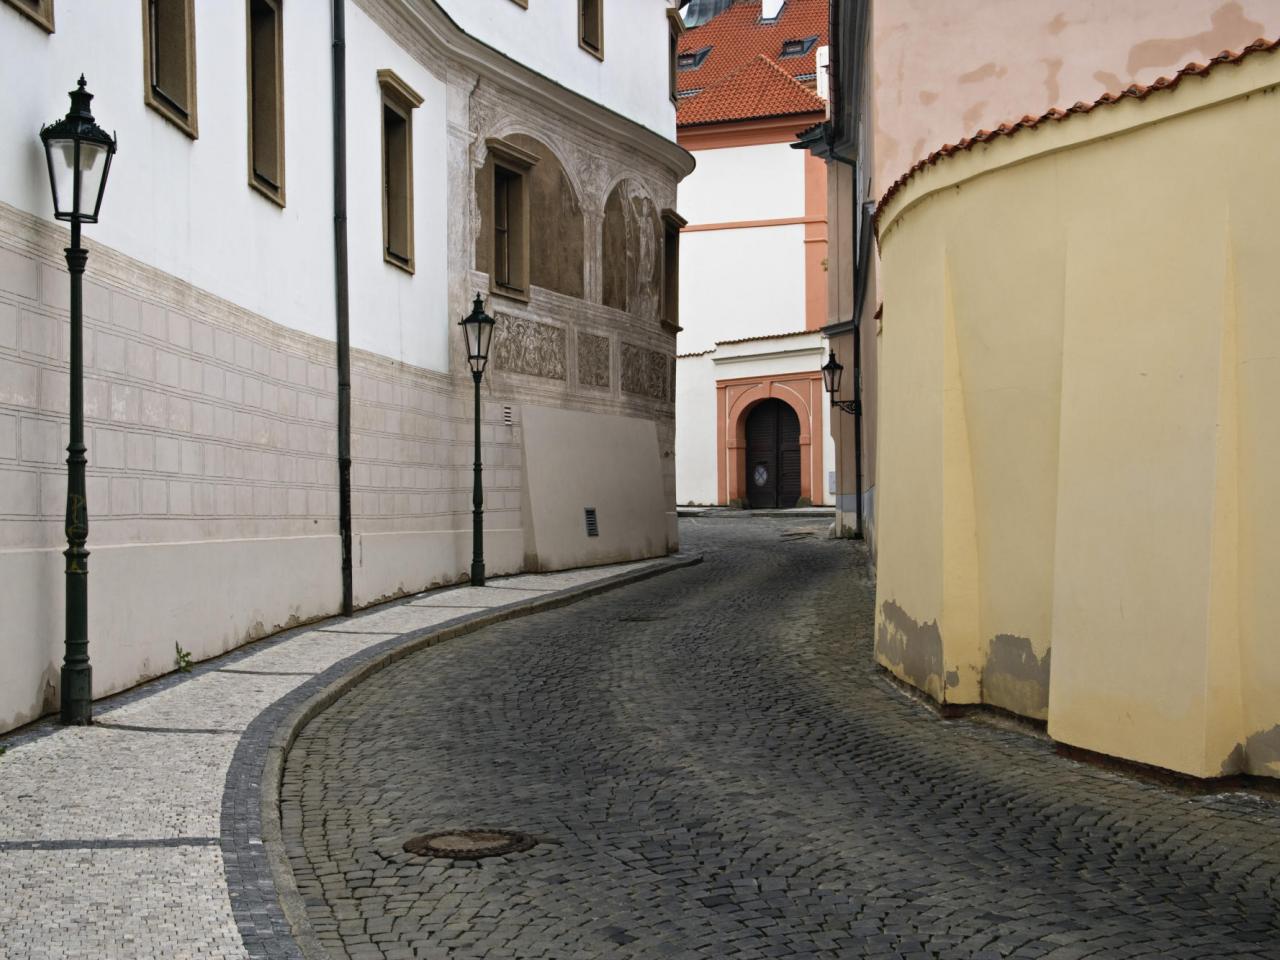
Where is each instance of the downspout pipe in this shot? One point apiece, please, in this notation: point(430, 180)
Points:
point(342, 295)
point(859, 291)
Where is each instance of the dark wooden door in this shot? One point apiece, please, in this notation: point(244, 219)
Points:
point(773, 456)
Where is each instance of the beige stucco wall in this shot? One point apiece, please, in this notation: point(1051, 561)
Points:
point(575, 461)
point(943, 71)
point(1077, 431)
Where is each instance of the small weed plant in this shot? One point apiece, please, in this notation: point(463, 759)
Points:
point(183, 658)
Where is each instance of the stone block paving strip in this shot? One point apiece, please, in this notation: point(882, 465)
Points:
point(140, 836)
point(717, 770)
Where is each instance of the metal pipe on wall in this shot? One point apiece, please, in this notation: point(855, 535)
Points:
point(342, 291)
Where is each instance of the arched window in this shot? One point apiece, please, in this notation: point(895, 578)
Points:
point(544, 251)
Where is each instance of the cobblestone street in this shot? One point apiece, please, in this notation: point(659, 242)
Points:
point(715, 769)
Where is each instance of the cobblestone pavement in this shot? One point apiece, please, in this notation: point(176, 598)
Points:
point(716, 771)
point(139, 837)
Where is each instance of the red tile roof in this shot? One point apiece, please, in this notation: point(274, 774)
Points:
point(1137, 91)
point(760, 88)
point(732, 83)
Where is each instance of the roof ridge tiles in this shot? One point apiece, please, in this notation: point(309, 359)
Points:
point(1136, 91)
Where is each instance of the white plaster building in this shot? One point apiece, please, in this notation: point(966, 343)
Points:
point(752, 417)
point(211, 310)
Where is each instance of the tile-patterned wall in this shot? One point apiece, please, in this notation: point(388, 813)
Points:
point(202, 422)
point(412, 446)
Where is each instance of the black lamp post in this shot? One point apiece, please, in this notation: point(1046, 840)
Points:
point(478, 331)
point(831, 373)
point(79, 154)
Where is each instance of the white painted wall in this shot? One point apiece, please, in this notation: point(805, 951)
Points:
point(696, 430)
point(696, 451)
point(631, 80)
point(393, 313)
point(221, 235)
point(740, 283)
point(761, 182)
point(186, 207)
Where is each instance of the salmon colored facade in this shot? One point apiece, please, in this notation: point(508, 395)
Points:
point(735, 399)
point(754, 253)
point(908, 76)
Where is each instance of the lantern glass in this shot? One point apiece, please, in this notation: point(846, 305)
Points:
point(79, 156)
point(477, 330)
point(62, 175)
point(831, 371)
point(94, 159)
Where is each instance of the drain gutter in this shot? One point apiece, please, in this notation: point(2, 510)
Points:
point(342, 295)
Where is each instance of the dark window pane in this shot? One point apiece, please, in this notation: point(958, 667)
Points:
point(264, 92)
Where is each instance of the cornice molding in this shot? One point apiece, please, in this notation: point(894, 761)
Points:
point(439, 35)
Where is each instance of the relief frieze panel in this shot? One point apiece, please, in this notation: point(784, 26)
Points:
point(529, 347)
point(644, 372)
point(593, 360)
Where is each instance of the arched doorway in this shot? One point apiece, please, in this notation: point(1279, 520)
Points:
point(773, 456)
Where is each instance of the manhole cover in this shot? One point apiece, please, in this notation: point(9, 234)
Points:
point(470, 844)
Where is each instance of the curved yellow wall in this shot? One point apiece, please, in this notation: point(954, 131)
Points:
point(1080, 426)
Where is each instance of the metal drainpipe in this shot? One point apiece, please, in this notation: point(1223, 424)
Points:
point(342, 291)
point(858, 532)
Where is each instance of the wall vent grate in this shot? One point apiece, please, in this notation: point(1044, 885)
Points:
point(593, 526)
point(507, 417)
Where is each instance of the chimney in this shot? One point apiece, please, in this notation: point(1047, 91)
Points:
point(769, 9)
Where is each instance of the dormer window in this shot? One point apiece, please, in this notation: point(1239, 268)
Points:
point(693, 59)
point(797, 48)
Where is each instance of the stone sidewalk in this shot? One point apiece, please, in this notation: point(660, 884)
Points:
point(141, 836)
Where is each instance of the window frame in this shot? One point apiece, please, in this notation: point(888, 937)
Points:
point(672, 225)
point(806, 46)
point(275, 194)
point(401, 99)
point(516, 164)
point(675, 24)
point(157, 99)
point(40, 13)
point(596, 50)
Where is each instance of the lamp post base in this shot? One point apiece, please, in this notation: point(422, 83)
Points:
point(477, 573)
point(77, 695)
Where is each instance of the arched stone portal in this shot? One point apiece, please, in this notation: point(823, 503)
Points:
point(735, 399)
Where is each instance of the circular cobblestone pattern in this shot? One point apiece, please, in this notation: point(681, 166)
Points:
point(715, 769)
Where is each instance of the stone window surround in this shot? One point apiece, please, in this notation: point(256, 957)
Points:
point(591, 27)
point(401, 99)
point(515, 164)
point(182, 116)
point(272, 189)
point(672, 224)
point(39, 12)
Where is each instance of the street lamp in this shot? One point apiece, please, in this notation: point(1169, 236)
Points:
point(79, 153)
point(478, 332)
point(831, 372)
